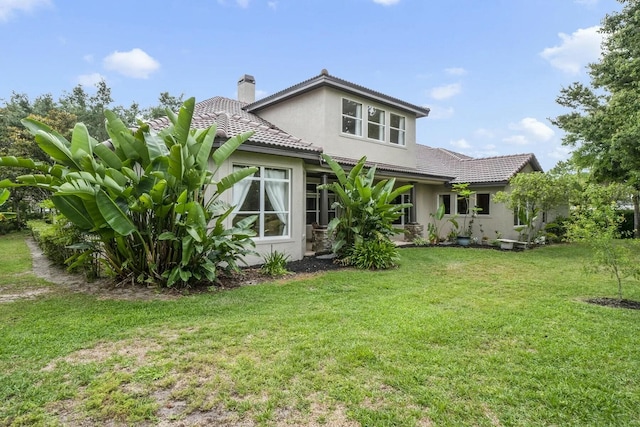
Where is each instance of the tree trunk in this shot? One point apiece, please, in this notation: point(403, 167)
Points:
point(636, 215)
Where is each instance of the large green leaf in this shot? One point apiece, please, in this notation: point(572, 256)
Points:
point(114, 216)
point(56, 149)
point(183, 122)
point(202, 158)
point(80, 141)
point(336, 168)
point(72, 207)
point(121, 137)
point(234, 177)
point(107, 156)
point(225, 150)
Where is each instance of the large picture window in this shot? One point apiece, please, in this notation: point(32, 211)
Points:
point(375, 123)
point(351, 117)
point(396, 129)
point(266, 194)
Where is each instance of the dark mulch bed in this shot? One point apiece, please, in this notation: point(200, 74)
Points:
point(254, 275)
point(615, 303)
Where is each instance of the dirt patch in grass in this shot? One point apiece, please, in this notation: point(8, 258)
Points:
point(615, 303)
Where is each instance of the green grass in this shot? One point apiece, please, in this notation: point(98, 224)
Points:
point(453, 337)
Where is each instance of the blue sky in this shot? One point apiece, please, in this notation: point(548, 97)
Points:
point(490, 70)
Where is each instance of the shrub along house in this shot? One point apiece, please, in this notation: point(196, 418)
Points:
point(329, 115)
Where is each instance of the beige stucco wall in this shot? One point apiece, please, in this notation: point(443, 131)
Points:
point(294, 245)
point(316, 116)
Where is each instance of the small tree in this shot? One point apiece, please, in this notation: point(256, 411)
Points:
point(532, 193)
point(366, 212)
point(153, 199)
point(463, 191)
point(596, 222)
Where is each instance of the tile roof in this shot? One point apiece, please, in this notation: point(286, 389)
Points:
point(325, 79)
point(391, 168)
point(230, 118)
point(462, 168)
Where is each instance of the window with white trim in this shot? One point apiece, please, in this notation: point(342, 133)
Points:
point(375, 123)
point(265, 194)
point(313, 204)
point(396, 129)
point(351, 117)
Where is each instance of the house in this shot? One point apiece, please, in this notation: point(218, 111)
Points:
point(326, 114)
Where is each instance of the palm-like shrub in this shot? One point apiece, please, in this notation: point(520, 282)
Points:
point(153, 198)
point(367, 209)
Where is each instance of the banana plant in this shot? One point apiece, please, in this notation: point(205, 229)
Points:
point(152, 198)
point(367, 209)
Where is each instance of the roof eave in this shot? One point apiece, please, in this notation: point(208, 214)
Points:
point(330, 81)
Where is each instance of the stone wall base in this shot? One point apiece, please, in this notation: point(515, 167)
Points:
point(322, 241)
point(411, 231)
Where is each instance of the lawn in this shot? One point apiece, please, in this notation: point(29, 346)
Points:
point(453, 337)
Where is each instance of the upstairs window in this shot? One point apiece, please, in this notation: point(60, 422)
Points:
point(375, 123)
point(397, 129)
point(351, 117)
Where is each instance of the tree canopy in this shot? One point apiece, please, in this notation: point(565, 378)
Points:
point(603, 126)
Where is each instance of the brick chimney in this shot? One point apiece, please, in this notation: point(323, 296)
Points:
point(247, 89)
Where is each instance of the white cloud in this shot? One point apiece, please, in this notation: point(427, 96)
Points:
point(484, 133)
point(272, 4)
point(438, 113)
point(387, 2)
point(534, 127)
point(517, 140)
point(88, 58)
point(575, 51)
point(460, 144)
point(243, 3)
point(136, 63)
point(560, 153)
point(261, 94)
point(8, 8)
point(587, 2)
point(90, 79)
point(446, 91)
point(456, 71)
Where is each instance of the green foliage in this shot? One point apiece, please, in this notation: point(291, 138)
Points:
point(374, 254)
point(532, 193)
point(66, 246)
point(556, 231)
point(275, 263)
point(433, 228)
point(602, 126)
point(597, 223)
point(463, 191)
point(421, 241)
point(366, 208)
point(152, 199)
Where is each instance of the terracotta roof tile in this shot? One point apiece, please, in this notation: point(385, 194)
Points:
point(230, 119)
point(463, 168)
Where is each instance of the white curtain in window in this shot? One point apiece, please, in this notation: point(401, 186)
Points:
point(240, 191)
point(277, 193)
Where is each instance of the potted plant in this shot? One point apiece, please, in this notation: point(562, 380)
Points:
point(464, 234)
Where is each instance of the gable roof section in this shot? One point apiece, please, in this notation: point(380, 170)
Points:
point(230, 118)
point(325, 79)
point(462, 168)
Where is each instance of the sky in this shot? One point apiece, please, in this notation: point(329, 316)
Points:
point(489, 70)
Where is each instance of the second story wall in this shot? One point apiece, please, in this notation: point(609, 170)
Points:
point(348, 125)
